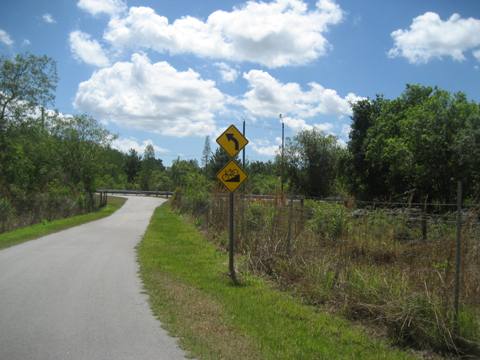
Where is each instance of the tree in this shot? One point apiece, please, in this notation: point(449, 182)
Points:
point(81, 141)
point(218, 160)
point(26, 83)
point(132, 166)
point(147, 167)
point(418, 144)
point(312, 160)
point(180, 171)
point(207, 150)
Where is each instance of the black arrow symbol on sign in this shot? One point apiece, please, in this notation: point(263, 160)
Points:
point(231, 137)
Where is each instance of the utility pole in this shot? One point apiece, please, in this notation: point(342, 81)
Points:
point(243, 151)
point(283, 153)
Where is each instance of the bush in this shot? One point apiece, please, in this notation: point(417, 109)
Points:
point(194, 196)
point(328, 220)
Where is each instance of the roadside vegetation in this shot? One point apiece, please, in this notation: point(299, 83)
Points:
point(52, 163)
point(376, 240)
point(44, 228)
point(370, 264)
point(185, 277)
point(369, 235)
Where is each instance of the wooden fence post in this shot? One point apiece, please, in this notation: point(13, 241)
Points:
point(458, 255)
point(289, 231)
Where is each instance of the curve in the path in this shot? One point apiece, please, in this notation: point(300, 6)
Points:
point(76, 294)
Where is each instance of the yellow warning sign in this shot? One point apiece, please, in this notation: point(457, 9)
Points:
point(232, 141)
point(232, 176)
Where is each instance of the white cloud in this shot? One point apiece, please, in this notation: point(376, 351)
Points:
point(228, 73)
point(152, 97)
point(125, 144)
point(265, 147)
point(299, 124)
point(87, 50)
point(476, 53)
point(325, 127)
point(429, 37)
point(268, 97)
point(26, 42)
point(48, 18)
point(109, 7)
point(296, 124)
point(346, 129)
point(277, 33)
point(5, 38)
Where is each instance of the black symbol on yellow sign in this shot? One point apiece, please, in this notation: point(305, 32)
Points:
point(232, 176)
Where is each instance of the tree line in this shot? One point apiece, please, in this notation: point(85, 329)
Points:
point(416, 146)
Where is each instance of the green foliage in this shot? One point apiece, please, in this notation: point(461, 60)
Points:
point(132, 165)
point(259, 216)
point(420, 143)
point(217, 161)
point(262, 184)
point(312, 161)
point(150, 168)
point(206, 153)
point(180, 171)
point(26, 82)
point(193, 189)
point(328, 221)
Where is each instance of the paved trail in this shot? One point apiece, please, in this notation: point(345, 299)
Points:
point(76, 294)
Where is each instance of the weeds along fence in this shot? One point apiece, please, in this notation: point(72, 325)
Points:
point(33, 209)
point(392, 264)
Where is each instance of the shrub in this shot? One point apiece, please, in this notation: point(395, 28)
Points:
point(328, 220)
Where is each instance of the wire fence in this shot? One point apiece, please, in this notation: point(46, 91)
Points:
point(397, 264)
point(34, 209)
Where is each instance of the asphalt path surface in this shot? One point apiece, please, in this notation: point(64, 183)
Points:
point(76, 294)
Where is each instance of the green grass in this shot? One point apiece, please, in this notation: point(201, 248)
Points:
point(47, 227)
point(185, 277)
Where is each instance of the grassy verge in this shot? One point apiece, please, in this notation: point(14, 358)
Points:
point(35, 231)
point(185, 277)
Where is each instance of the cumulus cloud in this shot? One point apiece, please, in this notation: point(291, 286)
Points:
point(429, 37)
point(268, 97)
point(87, 50)
point(346, 129)
point(109, 7)
point(152, 97)
point(5, 38)
point(277, 33)
point(48, 18)
point(299, 124)
point(476, 53)
point(125, 144)
point(266, 147)
point(227, 73)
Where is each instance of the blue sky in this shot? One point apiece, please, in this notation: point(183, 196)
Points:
point(172, 72)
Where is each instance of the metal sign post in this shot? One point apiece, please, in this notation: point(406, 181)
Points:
point(232, 176)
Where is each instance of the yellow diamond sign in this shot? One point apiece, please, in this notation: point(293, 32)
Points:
point(232, 141)
point(232, 176)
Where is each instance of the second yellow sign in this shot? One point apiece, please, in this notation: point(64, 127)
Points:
point(232, 176)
